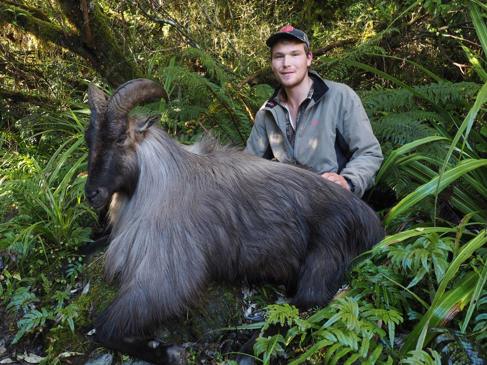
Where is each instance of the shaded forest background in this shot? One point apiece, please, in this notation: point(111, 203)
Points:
point(420, 68)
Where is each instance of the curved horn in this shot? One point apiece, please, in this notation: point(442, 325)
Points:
point(130, 94)
point(97, 100)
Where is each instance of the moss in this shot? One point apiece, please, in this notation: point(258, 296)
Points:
point(60, 338)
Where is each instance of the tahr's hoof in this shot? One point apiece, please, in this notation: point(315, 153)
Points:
point(176, 355)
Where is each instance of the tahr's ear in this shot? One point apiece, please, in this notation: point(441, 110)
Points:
point(97, 99)
point(145, 123)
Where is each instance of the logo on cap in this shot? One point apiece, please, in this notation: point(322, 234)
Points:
point(289, 32)
point(287, 28)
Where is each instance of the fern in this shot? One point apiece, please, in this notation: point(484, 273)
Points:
point(421, 357)
point(480, 319)
point(458, 348)
point(215, 71)
point(450, 94)
point(68, 314)
point(447, 94)
point(400, 116)
point(21, 300)
point(388, 100)
point(339, 68)
point(282, 314)
point(32, 320)
point(377, 283)
point(270, 347)
point(427, 254)
point(404, 127)
point(344, 330)
point(206, 100)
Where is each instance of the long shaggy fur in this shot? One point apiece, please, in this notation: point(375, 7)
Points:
point(226, 216)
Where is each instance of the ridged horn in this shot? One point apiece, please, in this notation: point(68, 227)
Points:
point(97, 100)
point(130, 94)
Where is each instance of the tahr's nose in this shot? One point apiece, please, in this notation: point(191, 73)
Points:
point(91, 193)
point(97, 196)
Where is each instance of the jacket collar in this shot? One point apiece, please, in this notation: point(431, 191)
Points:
point(319, 86)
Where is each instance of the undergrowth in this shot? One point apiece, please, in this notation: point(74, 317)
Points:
point(418, 297)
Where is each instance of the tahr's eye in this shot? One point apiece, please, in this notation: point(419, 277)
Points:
point(121, 139)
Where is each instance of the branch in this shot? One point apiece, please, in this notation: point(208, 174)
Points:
point(35, 12)
point(171, 22)
point(34, 22)
point(329, 47)
point(24, 97)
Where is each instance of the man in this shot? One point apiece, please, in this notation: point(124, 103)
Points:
point(318, 124)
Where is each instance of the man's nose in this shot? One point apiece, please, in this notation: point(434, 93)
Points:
point(285, 61)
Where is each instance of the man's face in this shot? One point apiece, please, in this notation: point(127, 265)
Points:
point(290, 62)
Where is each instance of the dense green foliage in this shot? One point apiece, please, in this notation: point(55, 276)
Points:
point(419, 297)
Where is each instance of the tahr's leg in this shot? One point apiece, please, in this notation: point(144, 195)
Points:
point(320, 277)
point(126, 324)
point(247, 348)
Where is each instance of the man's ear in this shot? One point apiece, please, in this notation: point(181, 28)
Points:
point(143, 124)
point(309, 56)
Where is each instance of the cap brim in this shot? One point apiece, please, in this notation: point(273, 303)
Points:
point(281, 35)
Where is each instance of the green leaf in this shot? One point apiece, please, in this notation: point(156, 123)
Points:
point(374, 356)
point(340, 354)
point(405, 235)
point(441, 111)
point(466, 125)
point(433, 187)
point(401, 151)
point(476, 295)
point(318, 346)
point(417, 278)
point(269, 346)
point(475, 62)
point(479, 24)
point(445, 305)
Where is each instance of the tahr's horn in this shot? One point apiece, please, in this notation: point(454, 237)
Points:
point(130, 94)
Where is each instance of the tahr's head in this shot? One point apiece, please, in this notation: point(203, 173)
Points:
point(112, 137)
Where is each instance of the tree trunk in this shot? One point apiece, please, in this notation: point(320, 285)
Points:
point(113, 62)
point(93, 40)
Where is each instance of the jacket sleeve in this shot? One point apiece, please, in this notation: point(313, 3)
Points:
point(258, 141)
point(366, 155)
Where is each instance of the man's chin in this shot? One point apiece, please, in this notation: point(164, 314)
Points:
point(291, 82)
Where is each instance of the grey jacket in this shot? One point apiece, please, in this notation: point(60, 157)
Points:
point(333, 135)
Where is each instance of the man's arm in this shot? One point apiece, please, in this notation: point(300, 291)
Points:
point(363, 145)
point(258, 142)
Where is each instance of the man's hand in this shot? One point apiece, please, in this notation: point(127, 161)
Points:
point(337, 179)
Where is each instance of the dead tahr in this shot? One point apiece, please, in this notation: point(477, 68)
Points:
point(184, 217)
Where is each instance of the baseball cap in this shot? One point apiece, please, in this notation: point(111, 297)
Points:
point(288, 32)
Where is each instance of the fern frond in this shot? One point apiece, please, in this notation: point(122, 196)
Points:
point(450, 93)
point(401, 128)
point(282, 314)
point(458, 348)
point(421, 357)
point(447, 94)
point(209, 103)
point(215, 71)
point(480, 319)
